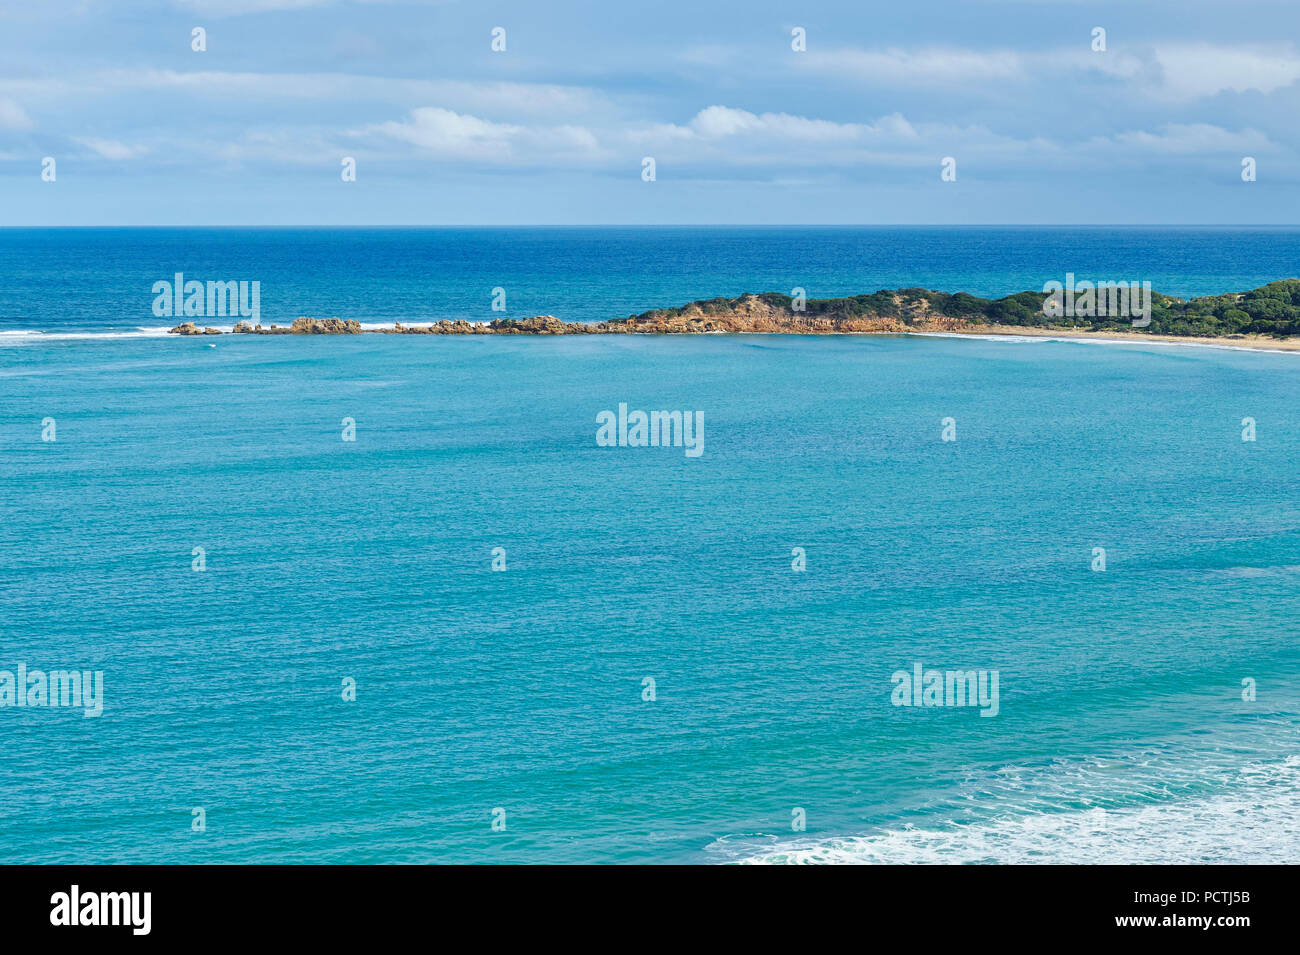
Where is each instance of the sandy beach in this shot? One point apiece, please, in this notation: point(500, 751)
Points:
point(1250, 342)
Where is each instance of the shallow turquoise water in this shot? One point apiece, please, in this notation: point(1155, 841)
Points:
point(522, 689)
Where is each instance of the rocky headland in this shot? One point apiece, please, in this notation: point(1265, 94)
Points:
point(1267, 314)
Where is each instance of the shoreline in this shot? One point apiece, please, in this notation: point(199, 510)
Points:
point(547, 326)
point(1234, 342)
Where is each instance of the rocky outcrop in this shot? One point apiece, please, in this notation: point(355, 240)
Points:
point(749, 313)
point(300, 326)
point(539, 325)
point(325, 326)
point(189, 328)
point(773, 314)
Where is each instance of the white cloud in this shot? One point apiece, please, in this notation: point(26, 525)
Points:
point(445, 134)
point(511, 98)
point(955, 68)
point(307, 146)
point(111, 148)
point(935, 66)
point(729, 136)
point(1194, 71)
point(12, 116)
point(233, 7)
point(716, 123)
point(1194, 138)
point(1177, 72)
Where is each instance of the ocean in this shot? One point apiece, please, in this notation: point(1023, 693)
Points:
point(280, 554)
point(60, 281)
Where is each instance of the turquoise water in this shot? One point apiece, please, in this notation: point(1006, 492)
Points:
point(1120, 690)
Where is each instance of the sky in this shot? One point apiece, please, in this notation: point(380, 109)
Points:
point(555, 128)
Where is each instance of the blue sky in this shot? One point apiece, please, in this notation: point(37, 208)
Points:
point(743, 128)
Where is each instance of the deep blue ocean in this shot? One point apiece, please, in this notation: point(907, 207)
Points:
point(1147, 712)
point(55, 280)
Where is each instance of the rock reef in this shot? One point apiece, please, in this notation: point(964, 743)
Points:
point(301, 326)
point(748, 313)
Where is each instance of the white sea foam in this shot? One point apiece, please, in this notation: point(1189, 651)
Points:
point(1255, 820)
point(405, 324)
point(379, 326)
point(29, 336)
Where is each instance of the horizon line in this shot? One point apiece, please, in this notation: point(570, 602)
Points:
point(672, 225)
